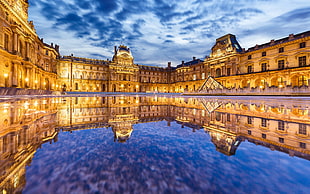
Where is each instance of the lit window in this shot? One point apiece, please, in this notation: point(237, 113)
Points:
point(203, 76)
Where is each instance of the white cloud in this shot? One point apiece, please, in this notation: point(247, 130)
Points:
point(188, 28)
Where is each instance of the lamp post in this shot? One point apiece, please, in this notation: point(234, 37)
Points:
point(71, 76)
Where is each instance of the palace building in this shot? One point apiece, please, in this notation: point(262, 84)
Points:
point(279, 67)
point(26, 61)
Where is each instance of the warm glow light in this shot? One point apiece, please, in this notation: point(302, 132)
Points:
point(44, 83)
point(6, 75)
point(137, 86)
point(36, 81)
point(122, 85)
point(26, 79)
point(260, 87)
point(280, 86)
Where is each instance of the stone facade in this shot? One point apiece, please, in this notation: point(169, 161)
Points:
point(26, 61)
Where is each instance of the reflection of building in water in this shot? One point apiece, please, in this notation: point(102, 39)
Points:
point(25, 126)
point(225, 142)
point(278, 126)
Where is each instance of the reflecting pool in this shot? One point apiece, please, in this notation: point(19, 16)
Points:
point(155, 144)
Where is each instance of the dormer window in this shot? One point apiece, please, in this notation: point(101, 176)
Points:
point(302, 45)
point(281, 50)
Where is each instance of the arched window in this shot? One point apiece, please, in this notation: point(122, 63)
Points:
point(218, 72)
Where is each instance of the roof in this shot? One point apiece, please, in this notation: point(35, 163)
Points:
point(291, 37)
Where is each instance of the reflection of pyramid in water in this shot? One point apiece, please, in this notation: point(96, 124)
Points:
point(210, 105)
point(210, 84)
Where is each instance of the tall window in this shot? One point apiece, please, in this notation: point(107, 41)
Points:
point(194, 77)
point(281, 50)
point(249, 56)
point(281, 64)
point(281, 125)
point(302, 129)
point(203, 76)
point(263, 53)
point(228, 71)
point(302, 45)
point(250, 120)
point(302, 80)
point(6, 41)
point(250, 69)
point(264, 66)
point(302, 61)
point(264, 122)
point(228, 117)
point(218, 72)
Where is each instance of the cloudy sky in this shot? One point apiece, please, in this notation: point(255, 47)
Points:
point(158, 31)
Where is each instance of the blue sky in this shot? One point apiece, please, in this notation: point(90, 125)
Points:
point(158, 31)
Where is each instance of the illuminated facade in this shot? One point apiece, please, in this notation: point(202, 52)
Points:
point(26, 61)
point(277, 67)
point(280, 67)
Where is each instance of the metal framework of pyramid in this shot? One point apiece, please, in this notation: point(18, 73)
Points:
point(210, 105)
point(210, 84)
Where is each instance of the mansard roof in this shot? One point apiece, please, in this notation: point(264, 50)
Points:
point(291, 37)
point(84, 60)
point(190, 63)
point(151, 68)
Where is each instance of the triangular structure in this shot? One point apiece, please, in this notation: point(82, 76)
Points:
point(210, 105)
point(210, 84)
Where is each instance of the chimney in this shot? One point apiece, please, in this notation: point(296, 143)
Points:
point(169, 64)
point(272, 41)
point(194, 58)
point(182, 63)
point(291, 36)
